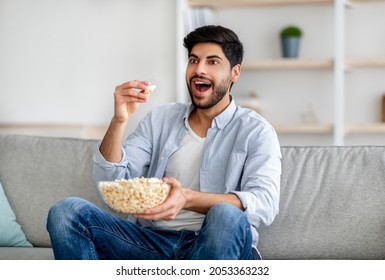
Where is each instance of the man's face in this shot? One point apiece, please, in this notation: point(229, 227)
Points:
point(209, 75)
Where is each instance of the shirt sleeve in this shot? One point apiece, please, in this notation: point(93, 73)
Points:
point(260, 183)
point(104, 170)
point(136, 156)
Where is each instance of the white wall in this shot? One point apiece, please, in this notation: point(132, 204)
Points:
point(61, 60)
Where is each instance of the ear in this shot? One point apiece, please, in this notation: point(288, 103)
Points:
point(235, 73)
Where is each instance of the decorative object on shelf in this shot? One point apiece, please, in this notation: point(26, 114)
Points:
point(290, 41)
point(309, 116)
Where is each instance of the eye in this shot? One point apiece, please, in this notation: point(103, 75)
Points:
point(214, 62)
point(193, 60)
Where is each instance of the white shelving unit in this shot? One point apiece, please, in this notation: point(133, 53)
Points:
point(337, 65)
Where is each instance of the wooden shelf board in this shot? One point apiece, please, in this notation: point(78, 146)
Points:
point(303, 128)
point(217, 4)
point(276, 64)
point(248, 3)
point(359, 128)
point(82, 130)
point(293, 64)
point(365, 1)
point(40, 126)
point(365, 128)
point(365, 62)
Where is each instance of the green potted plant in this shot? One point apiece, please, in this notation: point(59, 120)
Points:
point(290, 41)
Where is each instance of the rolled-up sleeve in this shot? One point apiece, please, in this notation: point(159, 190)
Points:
point(260, 184)
point(104, 170)
point(136, 156)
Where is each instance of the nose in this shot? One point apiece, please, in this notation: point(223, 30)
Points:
point(200, 68)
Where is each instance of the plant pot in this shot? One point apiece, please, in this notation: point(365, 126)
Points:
point(290, 46)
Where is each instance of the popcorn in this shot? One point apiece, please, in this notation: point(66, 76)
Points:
point(150, 89)
point(133, 195)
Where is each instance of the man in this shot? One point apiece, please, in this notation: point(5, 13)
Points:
point(223, 164)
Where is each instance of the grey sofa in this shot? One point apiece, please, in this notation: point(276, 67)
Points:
point(332, 198)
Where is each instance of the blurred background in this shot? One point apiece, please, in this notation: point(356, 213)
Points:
point(60, 62)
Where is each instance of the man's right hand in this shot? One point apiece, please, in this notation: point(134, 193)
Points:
point(127, 98)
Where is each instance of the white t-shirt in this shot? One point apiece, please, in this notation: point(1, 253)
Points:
point(184, 165)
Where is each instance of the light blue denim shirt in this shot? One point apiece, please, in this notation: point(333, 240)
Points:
point(241, 155)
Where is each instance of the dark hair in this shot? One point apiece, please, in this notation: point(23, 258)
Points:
point(226, 38)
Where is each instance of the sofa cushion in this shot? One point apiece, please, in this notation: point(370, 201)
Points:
point(331, 206)
point(11, 233)
point(39, 171)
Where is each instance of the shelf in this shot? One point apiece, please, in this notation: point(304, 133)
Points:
point(247, 3)
point(55, 130)
point(303, 128)
point(217, 4)
point(365, 1)
point(282, 64)
point(365, 128)
point(307, 64)
point(365, 62)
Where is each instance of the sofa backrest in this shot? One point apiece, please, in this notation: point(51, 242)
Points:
point(332, 205)
point(36, 172)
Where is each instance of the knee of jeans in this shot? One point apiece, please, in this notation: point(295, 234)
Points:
point(63, 210)
point(226, 214)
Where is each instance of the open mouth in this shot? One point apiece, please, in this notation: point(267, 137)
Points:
point(201, 85)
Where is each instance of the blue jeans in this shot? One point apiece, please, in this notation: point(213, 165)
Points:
point(80, 230)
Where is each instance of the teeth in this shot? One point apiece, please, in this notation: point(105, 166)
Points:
point(202, 83)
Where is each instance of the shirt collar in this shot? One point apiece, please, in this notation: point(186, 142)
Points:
point(225, 117)
point(219, 121)
point(187, 114)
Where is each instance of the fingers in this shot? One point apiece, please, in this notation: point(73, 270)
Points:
point(127, 95)
point(134, 91)
point(171, 181)
point(161, 212)
point(127, 98)
point(169, 208)
point(140, 85)
point(134, 86)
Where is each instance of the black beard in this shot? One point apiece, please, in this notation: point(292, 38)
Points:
point(218, 94)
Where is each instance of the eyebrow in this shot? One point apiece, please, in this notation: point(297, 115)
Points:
point(208, 57)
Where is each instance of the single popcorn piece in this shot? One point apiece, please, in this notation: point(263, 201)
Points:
point(150, 89)
point(133, 195)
